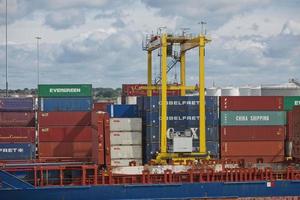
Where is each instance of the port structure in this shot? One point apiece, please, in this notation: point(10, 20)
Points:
point(186, 43)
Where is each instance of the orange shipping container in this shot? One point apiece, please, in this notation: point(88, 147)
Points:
point(256, 149)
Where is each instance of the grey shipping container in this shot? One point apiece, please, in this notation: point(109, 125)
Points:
point(17, 151)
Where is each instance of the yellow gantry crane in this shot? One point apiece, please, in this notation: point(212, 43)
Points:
point(186, 43)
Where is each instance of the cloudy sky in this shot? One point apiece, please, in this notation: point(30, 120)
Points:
point(100, 41)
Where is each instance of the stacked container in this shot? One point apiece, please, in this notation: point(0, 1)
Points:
point(17, 132)
point(252, 128)
point(64, 119)
point(291, 105)
point(126, 141)
point(130, 92)
point(182, 121)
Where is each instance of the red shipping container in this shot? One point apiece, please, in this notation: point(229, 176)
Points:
point(101, 106)
point(136, 90)
point(17, 134)
point(65, 149)
point(290, 125)
point(296, 148)
point(64, 119)
point(251, 103)
point(257, 148)
point(17, 119)
point(101, 138)
point(65, 134)
point(255, 159)
point(252, 133)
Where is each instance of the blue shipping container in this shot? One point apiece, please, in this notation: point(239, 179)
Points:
point(16, 104)
point(83, 104)
point(176, 103)
point(17, 151)
point(123, 111)
point(181, 118)
point(151, 133)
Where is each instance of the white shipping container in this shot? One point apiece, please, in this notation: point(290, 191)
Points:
point(131, 100)
point(120, 152)
point(183, 144)
point(124, 162)
point(126, 124)
point(126, 138)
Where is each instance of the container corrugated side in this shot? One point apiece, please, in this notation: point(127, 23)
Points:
point(128, 151)
point(16, 104)
point(65, 149)
point(82, 104)
point(251, 103)
point(64, 118)
point(14, 119)
point(252, 118)
point(291, 101)
point(253, 133)
point(17, 151)
point(62, 90)
point(65, 134)
point(17, 134)
point(125, 124)
point(126, 138)
point(123, 111)
point(250, 148)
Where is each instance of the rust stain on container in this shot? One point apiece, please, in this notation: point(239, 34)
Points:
point(251, 103)
point(17, 119)
point(65, 134)
point(64, 118)
point(252, 133)
point(255, 159)
point(257, 148)
point(17, 134)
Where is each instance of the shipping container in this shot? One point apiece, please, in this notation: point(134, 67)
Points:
point(17, 151)
point(177, 103)
point(137, 90)
point(296, 148)
point(126, 124)
point(65, 150)
point(251, 103)
point(252, 118)
point(101, 106)
point(123, 111)
point(252, 133)
point(291, 101)
point(128, 151)
point(17, 135)
point(126, 138)
point(131, 100)
point(82, 104)
point(250, 148)
point(65, 134)
point(151, 133)
point(125, 162)
point(62, 90)
point(101, 138)
point(64, 119)
point(16, 104)
point(17, 119)
point(181, 118)
point(290, 125)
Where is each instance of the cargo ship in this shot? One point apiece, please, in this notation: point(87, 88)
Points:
point(158, 144)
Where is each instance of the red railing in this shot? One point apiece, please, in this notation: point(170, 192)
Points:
point(90, 175)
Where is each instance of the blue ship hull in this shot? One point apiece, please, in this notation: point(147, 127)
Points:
point(162, 191)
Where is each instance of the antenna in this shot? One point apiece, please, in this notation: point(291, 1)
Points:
point(6, 67)
point(203, 30)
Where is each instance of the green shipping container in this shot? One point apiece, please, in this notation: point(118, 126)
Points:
point(253, 118)
point(73, 90)
point(290, 102)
